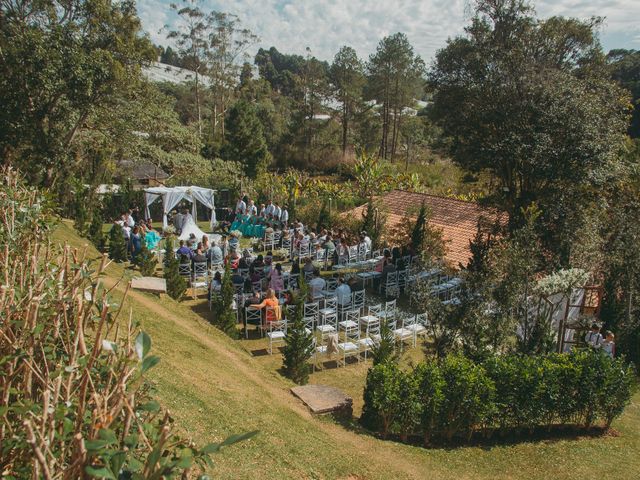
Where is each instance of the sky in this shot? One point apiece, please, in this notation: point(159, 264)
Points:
point(325, 25)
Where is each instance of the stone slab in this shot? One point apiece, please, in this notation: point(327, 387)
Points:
point(149, 284)
point(324, 399)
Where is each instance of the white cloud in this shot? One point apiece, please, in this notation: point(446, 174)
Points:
point(325, 25)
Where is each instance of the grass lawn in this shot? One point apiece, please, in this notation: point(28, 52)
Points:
point(215, 387)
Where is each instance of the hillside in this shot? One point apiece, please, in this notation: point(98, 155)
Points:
point(214, 388)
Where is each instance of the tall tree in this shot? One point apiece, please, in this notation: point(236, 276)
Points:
point(246, 143)
point(347, 78)
point(625, 69)
point(192, 38)
point(395, 75)
point(530, 102)
point(61, 61)
point(229, 42)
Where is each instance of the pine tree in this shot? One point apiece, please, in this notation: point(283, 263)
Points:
point(299, 343)
point(324, 219)
point(95, 234)
point(418, 232)
point(373, 222)
point(225, 317)
point(80, 212)
point(176, 285)
point(117, 244)
point(146, 260)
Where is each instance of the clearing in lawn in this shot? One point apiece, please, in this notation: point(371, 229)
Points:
point(215, 387)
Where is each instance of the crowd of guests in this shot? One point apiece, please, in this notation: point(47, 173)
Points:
point(136, 230)
point(594, 339)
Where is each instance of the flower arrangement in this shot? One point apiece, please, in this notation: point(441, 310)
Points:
point(169, 230)
point(236, 234)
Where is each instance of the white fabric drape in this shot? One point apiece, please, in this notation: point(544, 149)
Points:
point(206, 197)
point(149, 198)
point(170, 200)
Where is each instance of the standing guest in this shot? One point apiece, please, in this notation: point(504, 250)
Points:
point(367, 240)
point(178, 221)
point(593, 338)
point(263, 211)
point(343, 293)
point(277, 211)
point(609, 345)
point(276, 279)
point(252, 209)
point(130, 220)
point(241, 207)
point(270, 208)
point(284, 216)
point(136, 242)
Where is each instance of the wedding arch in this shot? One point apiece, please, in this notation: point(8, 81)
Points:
point(171, 196)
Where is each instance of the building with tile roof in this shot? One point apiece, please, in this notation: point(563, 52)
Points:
point(457, 219)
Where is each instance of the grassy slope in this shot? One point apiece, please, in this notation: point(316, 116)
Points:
point(214, 388)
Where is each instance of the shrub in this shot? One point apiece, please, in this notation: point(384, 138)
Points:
point(224, 316)
point(95, 233)
point(146, 260)
point(457, 396)
point(117, 244)
point(431, 395)
point(299, 343)
point(176, 285)
point(75, 401)
point(468, 401)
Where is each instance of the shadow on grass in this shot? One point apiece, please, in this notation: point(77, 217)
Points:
point(489, 440)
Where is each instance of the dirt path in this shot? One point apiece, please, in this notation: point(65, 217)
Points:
point(375, 450)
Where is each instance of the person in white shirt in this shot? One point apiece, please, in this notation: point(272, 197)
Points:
point(317, 285)
point(252, 209)
point(343, 293)
point(277, 211)
point(367, 240)
point(130, 221)
point(284, 216)
point(263, 211)
point(270, 208)
point(593, 338)
point(241, 207)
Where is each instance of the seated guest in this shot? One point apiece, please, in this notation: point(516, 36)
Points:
point(198, 256)
point(233, 259)
point(268, 258)
point(276, 279)
point(329, 246)
point(254, 275)
point(236, 278)
point(245, 261)
point(183, 250)
point(343, 293)
point(308, 268)
point(205, 243)
point(317, 285)
point(215, 254)
point(295, 268)
point(258, 263)
point(356, 284)
point(366, 239)
point(270, 300)
point(216, 283)
point(234, 242)
point(192, 242)
point(388, 268)
point(254, 299)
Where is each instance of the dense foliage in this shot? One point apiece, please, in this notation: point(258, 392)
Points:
point(75, 401)
point(456, 397)
point(299, 343)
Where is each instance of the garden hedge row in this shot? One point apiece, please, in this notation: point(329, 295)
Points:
point(457, 397)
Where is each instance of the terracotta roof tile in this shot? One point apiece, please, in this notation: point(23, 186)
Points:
point(457, 219)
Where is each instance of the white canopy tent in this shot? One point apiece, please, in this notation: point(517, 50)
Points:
point(171, 196)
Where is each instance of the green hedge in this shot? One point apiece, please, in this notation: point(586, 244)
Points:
point(455, 397)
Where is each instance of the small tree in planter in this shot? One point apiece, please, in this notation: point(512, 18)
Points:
point(176, 285)
point(146, 261)
point(117, 244)
point(299, 343)
point(225, 318)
